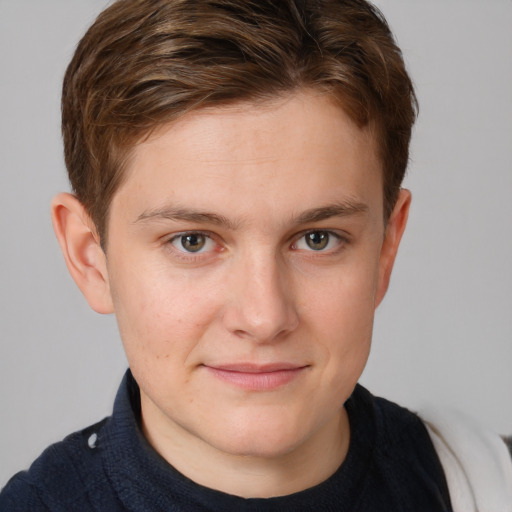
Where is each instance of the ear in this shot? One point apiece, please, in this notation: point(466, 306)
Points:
point(394, 230)
point(81, 248)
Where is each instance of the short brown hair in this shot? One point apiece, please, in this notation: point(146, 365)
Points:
point(144, 63)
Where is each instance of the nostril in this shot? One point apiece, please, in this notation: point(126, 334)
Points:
point(262, 306)
point(271, 327)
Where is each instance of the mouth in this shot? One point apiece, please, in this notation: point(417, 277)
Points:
point(253, 377)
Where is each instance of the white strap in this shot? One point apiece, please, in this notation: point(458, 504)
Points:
point(476, 462)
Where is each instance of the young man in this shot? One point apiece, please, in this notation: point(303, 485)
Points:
point(236, 169)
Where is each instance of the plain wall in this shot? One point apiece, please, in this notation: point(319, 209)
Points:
point(444, 333)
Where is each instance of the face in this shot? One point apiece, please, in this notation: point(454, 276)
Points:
point(245, 263)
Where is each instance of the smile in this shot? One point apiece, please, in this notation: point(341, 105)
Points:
point(257, 377)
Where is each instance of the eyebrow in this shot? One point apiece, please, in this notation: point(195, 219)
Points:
point(343, 209)
point(186, 214)
point(176, 213)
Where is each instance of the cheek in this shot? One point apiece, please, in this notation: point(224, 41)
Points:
point(340, 318)
point(344, 299)
point(160, 313)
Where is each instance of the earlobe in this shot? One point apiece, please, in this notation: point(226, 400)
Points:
point(82, 252)
point(394, 230)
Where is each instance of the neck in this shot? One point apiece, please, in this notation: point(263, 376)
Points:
point(251, 476)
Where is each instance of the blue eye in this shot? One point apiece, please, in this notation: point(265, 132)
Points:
point(318, 241)
point(192, 242)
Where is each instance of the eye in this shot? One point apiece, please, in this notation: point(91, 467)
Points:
point(318, 241)
point(192, 242)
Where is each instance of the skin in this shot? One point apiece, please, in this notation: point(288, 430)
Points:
point(245, 339)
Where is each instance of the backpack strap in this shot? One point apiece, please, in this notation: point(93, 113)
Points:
point(508, 442)
point(476, 462)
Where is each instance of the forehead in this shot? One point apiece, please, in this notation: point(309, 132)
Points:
point(295, 148)
point(309, 114)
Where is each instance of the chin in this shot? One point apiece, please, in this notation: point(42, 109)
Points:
point(262, 438)
point(258, 448)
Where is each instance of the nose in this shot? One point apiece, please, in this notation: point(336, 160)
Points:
point(261, 306)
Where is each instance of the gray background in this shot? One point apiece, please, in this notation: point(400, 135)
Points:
point(444, 333)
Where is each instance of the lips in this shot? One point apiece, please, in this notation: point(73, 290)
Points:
point(254, 377)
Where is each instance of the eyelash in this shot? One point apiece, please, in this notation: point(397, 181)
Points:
point(341, 241)
point(190, 254)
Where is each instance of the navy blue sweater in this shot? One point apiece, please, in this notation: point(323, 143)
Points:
point(391, 465)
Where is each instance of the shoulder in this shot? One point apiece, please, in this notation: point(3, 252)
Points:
point(65, 474)
point(404, 439)
point(397, 424)
point(403, 455)
point(397, 429)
